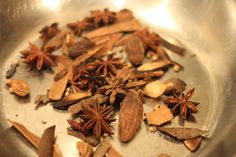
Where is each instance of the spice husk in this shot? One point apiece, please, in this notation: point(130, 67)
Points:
point(193, 144)
point(20, 87)
point(131, 108)
point(46, 142)
point(155, 89)
point(56, 151)
point(11, 71)
point(112, 152)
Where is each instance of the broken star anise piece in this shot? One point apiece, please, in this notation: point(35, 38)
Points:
point(96, 119)
point(80, 26)
point(104, 18)
point(91, 82)
point(108, 67)
point(49, 31)
point(181, 104)
point(35, 57)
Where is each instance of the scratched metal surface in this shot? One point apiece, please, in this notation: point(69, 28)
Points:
point(205, 28)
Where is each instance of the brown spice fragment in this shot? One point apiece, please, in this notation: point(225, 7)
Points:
point(70, 99)
point(41, 100)
point(100, 40)
point(146, 75)
point(11, 71)
point(102, 148)
point(135, 50)
point(80, 47)
point(32, 138)
point(55, 42)
point(160, 116)
point(108, 46)
point(193, 144)
point(86, 56)
point(175, 85)
point(124, 15)
point(56, 151)
point(183, 133)
point(48, 32)
point(155, 89)
point(153, 65)
point(92, 140)
point(130, 117)
point(46, 142)
point(112, 152)
point(77, 107)
point(85, 150)
point(172, 47)
point(127, 26)
point(136, 83)
point(58, 87)
point(19, 87)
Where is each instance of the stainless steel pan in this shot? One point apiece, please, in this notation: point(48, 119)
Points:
point(206, 28)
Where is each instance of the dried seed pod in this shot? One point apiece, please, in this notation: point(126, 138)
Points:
point(135, 50)
point(175, 85)
point(131, 114)
point(155, 89)
point(153, 65)
point(20, 87)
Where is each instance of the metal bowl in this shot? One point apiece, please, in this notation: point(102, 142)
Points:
point(205, 28)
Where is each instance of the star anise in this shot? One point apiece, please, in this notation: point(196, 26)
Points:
point(181, 104)
point(150, 40)
point(96, 119)
point(104, 18)
point(80, 26)
point(49, 31)
point(116, 85)
point(91, 82)
point(108, 67)
point(35, 57)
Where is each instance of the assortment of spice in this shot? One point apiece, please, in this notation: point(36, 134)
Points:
point(108, 60)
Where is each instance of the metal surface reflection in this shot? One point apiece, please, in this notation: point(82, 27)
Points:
point(206, 28)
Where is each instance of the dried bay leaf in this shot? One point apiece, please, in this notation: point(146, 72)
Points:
point(70, 99)
point(102, 148)
point(160, 116)
point(153, 65)
point(130, 116)
point(76, 108)
point(135, 50)
point(92, 140)
point(183, 133)
point(32, 138)
point(127, 26)
point(193, 144)
point(47, 142)
point(58, 87)
point(85, 150)
point(155, 89)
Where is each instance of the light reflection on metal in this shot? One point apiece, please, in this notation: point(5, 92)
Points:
point(51, 4)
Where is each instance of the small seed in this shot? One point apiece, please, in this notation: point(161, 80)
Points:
point(67, 93)
point(148, 55)
point(152, 128)
point(156, 107)
point(11, 90)
point(49, 88)
point(68, 90)
point(154, 57)
point(43, 122)
point(129, 65)
point(176, 68)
